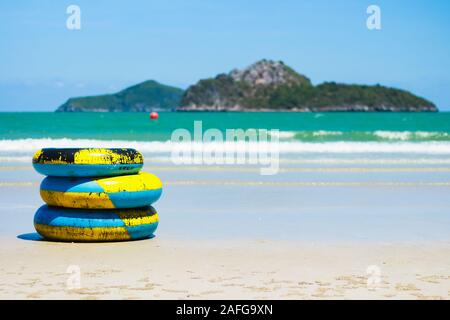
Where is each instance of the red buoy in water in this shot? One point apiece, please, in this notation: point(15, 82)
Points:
point(154, 115)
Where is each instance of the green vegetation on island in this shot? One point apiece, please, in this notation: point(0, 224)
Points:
point(143, 97)
point(264, 86)
point(271, 86)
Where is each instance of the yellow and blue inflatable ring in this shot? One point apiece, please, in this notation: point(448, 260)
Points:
point(128, 191)
point(87, 162)
point(75, 225)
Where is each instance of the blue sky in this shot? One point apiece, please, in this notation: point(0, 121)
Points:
point(121, 43)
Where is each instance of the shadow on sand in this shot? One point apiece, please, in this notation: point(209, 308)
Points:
point(34, 236)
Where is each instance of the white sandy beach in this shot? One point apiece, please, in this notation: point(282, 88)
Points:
point(349, 229)
point(159, 269)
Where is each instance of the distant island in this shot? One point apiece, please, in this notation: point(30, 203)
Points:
point(264, 86)
point(143, 97)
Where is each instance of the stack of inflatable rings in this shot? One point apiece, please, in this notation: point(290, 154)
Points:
point(95, 195)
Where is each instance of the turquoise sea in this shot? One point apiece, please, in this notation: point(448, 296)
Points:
point(427, 133)
point(308, 127)
point(342, 176)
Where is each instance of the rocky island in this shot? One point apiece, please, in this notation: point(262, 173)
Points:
point(273, 86)
point(264, 86)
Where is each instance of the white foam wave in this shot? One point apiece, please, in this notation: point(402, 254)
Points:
point(24, 147)
point(283, 134)
point(409, 135)
point(287, 135)
point(322, 133)
point(379, 135)
point(393, 135)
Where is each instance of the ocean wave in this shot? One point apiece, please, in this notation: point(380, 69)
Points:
point(283, 135)
point(363, 136)
point(393, 135)
point(412, 135)
point(26, 147)
point(323, 133)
